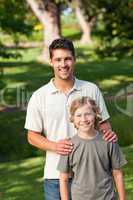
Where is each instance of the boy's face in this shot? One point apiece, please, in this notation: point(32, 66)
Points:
point(62, 63)
point(84, 119)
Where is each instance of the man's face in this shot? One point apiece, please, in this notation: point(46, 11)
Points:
point(62, 62)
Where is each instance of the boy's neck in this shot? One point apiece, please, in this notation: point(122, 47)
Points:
point(88, 135)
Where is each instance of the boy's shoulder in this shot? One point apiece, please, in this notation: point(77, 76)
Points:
point(74, 139)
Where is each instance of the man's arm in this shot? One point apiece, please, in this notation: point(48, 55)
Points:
point(64, 186)
point(62, 147)
point(108, 134)
point(118, 178)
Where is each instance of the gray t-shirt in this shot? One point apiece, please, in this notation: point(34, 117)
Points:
point(92, 162)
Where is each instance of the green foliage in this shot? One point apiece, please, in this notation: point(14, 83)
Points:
point(8, 53)
point(117, 33)
point(13, 17)
point(112, 23)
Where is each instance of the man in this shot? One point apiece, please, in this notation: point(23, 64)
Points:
point(48, 114)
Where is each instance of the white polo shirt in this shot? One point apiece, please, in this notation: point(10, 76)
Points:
point(48, 113)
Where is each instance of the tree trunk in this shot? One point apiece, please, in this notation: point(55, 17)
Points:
point(51, 29)
point(48, 14)
point(85, 27)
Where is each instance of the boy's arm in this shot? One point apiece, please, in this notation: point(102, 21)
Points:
point(64, 186)
point(119, 182)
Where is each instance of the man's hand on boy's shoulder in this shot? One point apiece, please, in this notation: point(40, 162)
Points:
point(109, 136)
point(64, 147)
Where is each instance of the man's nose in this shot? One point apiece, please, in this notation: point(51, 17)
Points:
point(63, 63)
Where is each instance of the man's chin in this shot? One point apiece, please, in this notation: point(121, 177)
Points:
point(65, 78)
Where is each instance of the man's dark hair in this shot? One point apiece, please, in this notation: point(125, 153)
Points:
point(62, 43)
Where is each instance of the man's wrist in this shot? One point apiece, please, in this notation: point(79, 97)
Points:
point(105, 130)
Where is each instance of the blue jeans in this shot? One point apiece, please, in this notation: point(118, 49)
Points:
point(52, 189)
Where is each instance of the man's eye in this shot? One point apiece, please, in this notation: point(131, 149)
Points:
point(68, 58)
point(58, 59)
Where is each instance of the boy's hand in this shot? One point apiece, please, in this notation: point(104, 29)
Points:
point(109, 135)
point(64, 147)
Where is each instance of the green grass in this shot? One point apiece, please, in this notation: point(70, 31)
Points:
point(128, 172)
point(27, 74)
point(23, 179)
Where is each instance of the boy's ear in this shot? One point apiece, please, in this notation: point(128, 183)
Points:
point(71, 119)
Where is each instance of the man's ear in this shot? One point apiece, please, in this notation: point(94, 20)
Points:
point(50, 62)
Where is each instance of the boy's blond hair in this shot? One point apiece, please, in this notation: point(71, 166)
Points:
point(79, 102)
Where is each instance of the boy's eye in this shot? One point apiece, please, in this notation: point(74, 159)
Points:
point(78, 115)
point(87, 113)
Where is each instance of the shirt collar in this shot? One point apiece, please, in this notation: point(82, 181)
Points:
point(76, 85)
point(53, 89)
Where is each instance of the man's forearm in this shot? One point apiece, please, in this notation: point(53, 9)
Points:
point(108, 134)
point(105, 126)
point(40, 142)
point(62, 147)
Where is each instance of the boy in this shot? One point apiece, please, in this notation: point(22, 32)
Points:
point(93, 162)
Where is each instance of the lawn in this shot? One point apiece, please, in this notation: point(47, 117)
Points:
point(24, 179)
point(24, 75)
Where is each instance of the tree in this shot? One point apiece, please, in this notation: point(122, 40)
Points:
point(87, 12)
point(13, 21)
point(117, 33)
point(86, 19)
point(48, 13)
point(116, 17)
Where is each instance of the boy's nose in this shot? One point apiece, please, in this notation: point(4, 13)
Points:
point(83, 118)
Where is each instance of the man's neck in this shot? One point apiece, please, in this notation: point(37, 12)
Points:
point(63, 85)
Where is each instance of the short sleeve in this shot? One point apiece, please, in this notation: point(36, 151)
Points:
point(117, 158)
point(64, 164)
point(101, 103)
point(33, 117)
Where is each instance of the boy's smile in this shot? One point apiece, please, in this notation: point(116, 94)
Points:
point(84, 120)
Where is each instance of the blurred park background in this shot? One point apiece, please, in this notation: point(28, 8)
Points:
point(103, 36)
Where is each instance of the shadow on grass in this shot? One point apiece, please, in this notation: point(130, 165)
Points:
point(111, 76)
point(22, 180)
point(13, 142)
point(32, 74)
point(35, 74)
